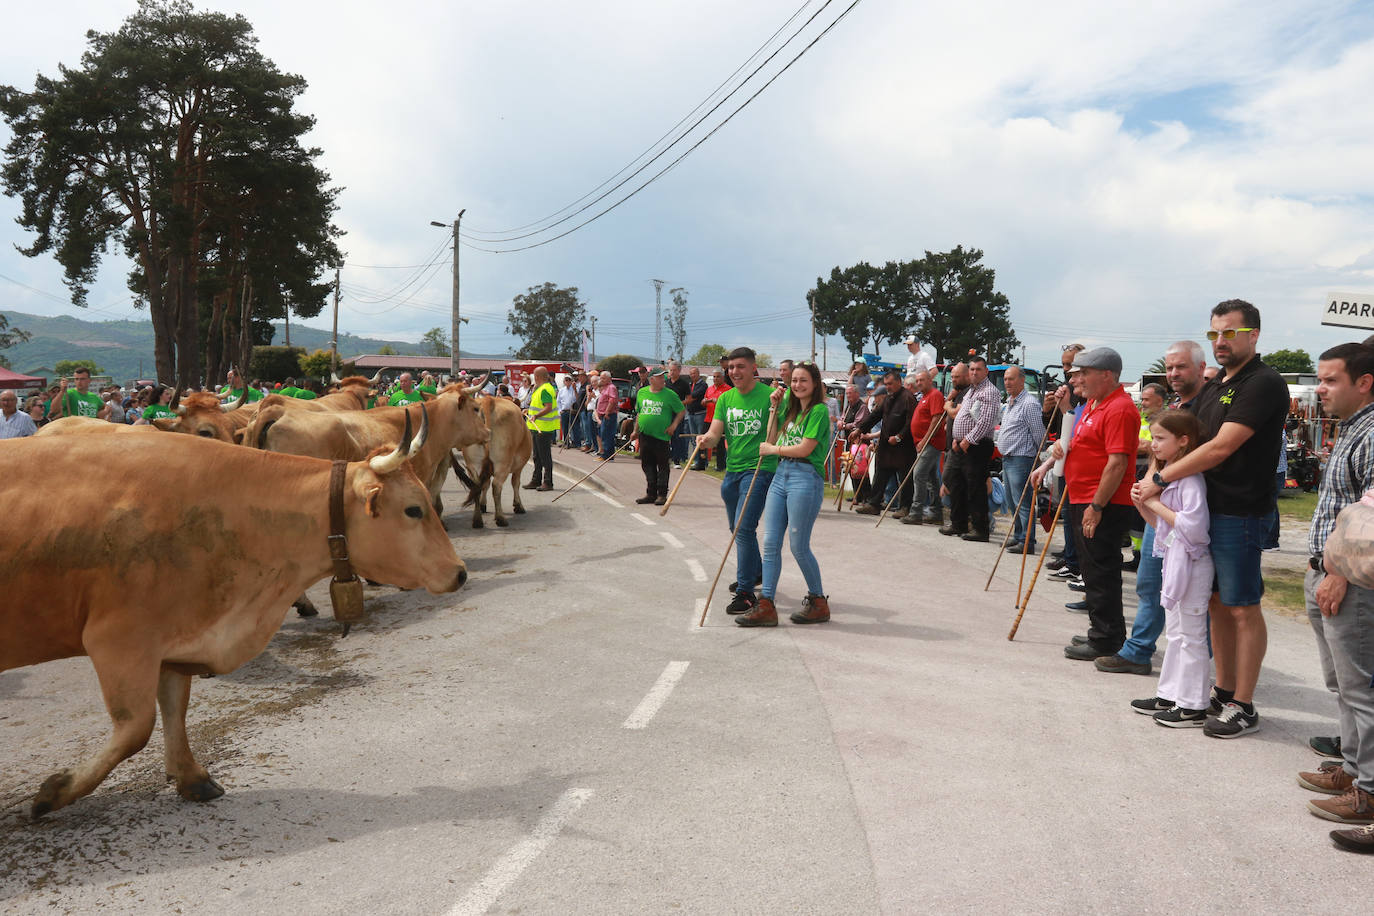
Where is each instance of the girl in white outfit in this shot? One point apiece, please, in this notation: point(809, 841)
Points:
point(1180, 519)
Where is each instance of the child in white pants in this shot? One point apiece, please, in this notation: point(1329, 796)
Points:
point(1180, 519)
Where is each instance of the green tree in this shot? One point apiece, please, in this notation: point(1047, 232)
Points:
point(275, 363)
point(856, 303)
point(549, 320)
point(435, 342)
point(763, 360)
point(386, 350)
point(64, 367)
point(1289, 361)
point(948, 299)
point(317, 364)
point(177, 140)
point(621, 365)
point(707, 355)
point(9, 337)
point(677, 324)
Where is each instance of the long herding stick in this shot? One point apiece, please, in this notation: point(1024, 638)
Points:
point(845, 462)
point(1012, 526)
point(1049, 538)
point(734, 529)
point(911, 470)
point(602, 464)
point(680, 478)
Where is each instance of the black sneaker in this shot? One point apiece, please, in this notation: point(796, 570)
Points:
point(1077, 585)
point(1064, 574)
point(1151, 705)
point(1232, 723)
point(1055, 565)
point(1326, 747)
point(1179, 717)
point(743, 603)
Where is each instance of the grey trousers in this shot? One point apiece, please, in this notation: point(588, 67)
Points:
point(927, 476)
point(1345, 645)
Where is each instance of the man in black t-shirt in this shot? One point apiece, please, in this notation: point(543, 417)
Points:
point(1242, 410)
point(682, 387)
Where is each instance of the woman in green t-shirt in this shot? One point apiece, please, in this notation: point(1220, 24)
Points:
point(801, 439)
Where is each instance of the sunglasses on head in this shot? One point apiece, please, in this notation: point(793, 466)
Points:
point(1228, 334)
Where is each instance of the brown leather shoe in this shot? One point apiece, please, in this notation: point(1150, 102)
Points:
point(1330, 778)
point(867, 509)
point(815, 609)
point(764, 615)
point(1356, 839)
point(544, 487)
point(899, 514)
point(1350, 807)
point(532, 485)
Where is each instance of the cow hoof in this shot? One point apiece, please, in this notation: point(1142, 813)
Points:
point(51, 794)
point(205, 790)
point(519, 509)
point(477, 522)
point(307, 612)
point(501, 521)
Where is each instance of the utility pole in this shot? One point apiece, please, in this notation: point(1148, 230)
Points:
point(824, 355)
point(453, 331)
point(288, 324)
point(811, 301)
point(658, 320)
point(593, 340)
point(334, 339)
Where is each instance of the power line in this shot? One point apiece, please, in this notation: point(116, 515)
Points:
point(684, 155)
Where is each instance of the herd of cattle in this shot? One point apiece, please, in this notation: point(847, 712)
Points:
point(189, 562)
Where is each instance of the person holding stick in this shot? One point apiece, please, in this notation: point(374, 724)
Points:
point(1018, 439)
point(896, 450)
point(740, 418)
point(658, 411)
point(800, 438)
point(925, 504)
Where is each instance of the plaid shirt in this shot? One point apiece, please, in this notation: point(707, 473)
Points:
point(1349, 473)
point(1023, 425)
point(977, 416)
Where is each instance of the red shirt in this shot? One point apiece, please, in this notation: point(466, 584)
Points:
point(713, 394)
point(931, 407)
point(1109, 427)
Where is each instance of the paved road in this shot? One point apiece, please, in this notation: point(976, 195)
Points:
point(559, 737)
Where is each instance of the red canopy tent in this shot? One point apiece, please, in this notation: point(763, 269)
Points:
point(10, 379)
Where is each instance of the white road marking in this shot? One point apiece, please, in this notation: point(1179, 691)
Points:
point(606, 499)
point(672, 541)
point(647, 521)
point(694, 566)
point(507, 868)
point(657, 695)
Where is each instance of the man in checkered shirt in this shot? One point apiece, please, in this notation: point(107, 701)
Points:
point(970, 450)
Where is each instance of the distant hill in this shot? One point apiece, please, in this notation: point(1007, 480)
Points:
point(125, 348)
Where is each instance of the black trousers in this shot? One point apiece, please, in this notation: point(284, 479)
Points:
point(882, 477)
point(966, 478)
point(1099, 560)
point(543, 457)
point(653, 458)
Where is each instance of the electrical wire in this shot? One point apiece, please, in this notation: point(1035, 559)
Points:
point(712, 94)
point(683, 156)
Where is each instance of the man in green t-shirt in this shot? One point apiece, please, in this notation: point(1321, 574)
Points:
point(406, 394)
point(742, 418)
point(234, 390)
point(79, 401)
point(658, 411)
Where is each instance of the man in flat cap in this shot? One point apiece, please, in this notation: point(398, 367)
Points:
point(1101, 455)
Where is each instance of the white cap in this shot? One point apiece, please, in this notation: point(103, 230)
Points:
point(911, 340)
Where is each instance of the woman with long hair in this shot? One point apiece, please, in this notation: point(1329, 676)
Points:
point(801, 439)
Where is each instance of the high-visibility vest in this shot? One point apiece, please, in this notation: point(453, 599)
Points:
point(544, 396)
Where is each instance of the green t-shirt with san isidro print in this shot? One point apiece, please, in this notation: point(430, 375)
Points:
point(654, 410)
point(814, 424)
point(745, 417)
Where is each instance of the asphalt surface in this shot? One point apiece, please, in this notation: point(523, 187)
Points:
point(560, 737)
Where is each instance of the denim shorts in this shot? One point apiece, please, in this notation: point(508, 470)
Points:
point(1237, 543)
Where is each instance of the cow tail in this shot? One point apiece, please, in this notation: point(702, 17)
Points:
point(464, 478)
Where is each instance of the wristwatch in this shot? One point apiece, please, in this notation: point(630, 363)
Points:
point(1158, 480)
point(1096, 508)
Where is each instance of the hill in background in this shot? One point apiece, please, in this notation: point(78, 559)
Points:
point(125, 348)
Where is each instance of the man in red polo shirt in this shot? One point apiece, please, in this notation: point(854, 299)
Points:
point(1101, 456)
point(926, 506)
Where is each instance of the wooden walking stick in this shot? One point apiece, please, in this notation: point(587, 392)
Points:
point(734, 529)
point(1049, 538)
point(911, 470)
point(845, 463)
point(1012, 527)
point(599, 466)
point(680, 478)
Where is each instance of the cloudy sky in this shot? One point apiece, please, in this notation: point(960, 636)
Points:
point(1123, 166)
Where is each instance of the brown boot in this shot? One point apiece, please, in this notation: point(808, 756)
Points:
point(764, 615)
point(815, 609)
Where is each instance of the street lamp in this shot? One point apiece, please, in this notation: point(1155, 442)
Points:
point(456, 320)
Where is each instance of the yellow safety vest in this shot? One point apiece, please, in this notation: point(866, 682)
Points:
point(543, 396)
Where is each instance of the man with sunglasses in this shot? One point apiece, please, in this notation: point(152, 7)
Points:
point(1242, 410)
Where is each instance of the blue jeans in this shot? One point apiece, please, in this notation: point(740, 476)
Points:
point(588, 421)
point(794, 501)
point(1015, 470)
point(608, 435)
point(744, 521)
point(1149, 613)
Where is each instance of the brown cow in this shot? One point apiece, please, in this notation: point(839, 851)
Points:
point(502, 458)
point(202, 414)
point(173, 575)
point(353, 394)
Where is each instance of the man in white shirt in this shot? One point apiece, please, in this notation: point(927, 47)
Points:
point(14, 423)
point(919, 360)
